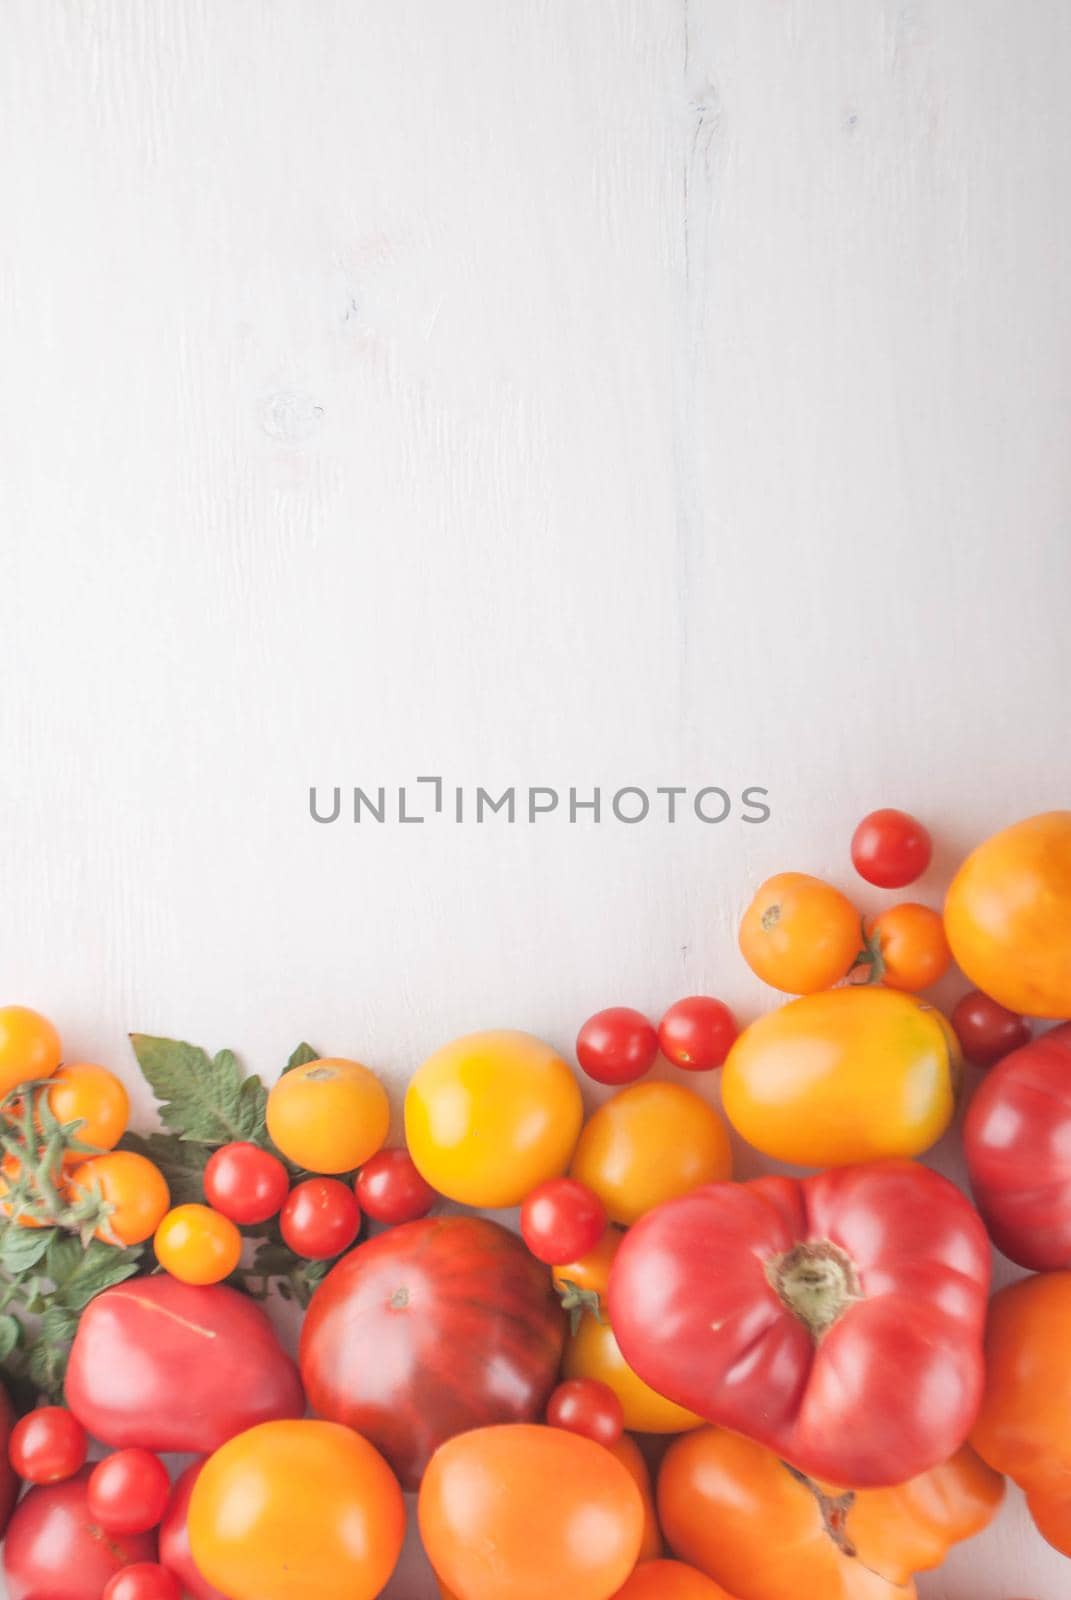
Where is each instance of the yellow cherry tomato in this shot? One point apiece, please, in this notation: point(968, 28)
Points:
point(29, 1047)
point(135, 1192)
point(92, 1096)
point(328, 1116)
point(851, 1075)
point(648, 1143)
point(492, 1115)
point(593, 1352)
point(197, 1245)
point(800, 934)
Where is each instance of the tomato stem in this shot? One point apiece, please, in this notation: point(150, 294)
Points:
point(816, 1281)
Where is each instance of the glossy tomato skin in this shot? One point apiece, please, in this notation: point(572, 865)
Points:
point(562, 1220)
point(632, 1458)
point(986, 1030)
point(696, 1034)
point(592, 1352)
point(48, 1445)
point(800, 934)
point(390, 1189)
point(54, 1547)
point(617, 1045)
point(1017, 1136)
point(670, 1580)
point(145, 1580)
point(197, 1244)
point(891, 848)
point(173, 1367)
point(320, 1219)
point(245, 1183)
point(434, 1328)
point(174, 1540)
point(649, 1143)
point(587, 1407)
point(858, 1297)
point(128, 1491)
point(29, 1047)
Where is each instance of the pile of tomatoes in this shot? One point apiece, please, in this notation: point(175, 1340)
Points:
point(662, 1384)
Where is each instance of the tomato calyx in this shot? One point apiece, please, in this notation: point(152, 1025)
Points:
point(817, 1282)
point(34, 1144)
point(834, 1509)
point(578, 1302)
point(870, 962)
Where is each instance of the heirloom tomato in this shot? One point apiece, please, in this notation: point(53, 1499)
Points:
point(1017, 1138)
point(54, 1546)
point(492, 1115)
point(92, 1097)
point(592, 1351)
point(800, 934)
point(1008, 916)
point(29, 1047)
point(670, 1580)
point(434, 1328)
point(767, 1532)
point(321, 1218)
point(851, 1075)
point(649, 1143)
point(174, 1540)
point(837, 1319)
point(328, 1116)
point(986, 1030)
point(632, 1458)
point(390, 1189)
point(245, 1183)
point(512, 1513)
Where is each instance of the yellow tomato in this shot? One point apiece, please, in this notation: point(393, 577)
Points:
point(134, 1192)
point(648, 1143)
point(851, 1075)
point(29, 1047)
point(800, 934)
point(490, 1116)
point(582, 1284)
point(1008, 916)
point(197, 1245)
point(593, 1352)
point(328, 1116)
point(94, 1098)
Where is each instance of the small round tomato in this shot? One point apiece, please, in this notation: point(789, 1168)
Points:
point(48, 1445)
point(93, 1097)
point(29, 1047)
point(587, 1407)
point(197, 1245)
point(582, 1284)
point(320, 1219)
point(54, 1546)
point(592, 1351)
point(986, 1030)
point(890, 848)
point(145, 1580)
point(617, 1045)
point(697, 1033)
point(648, 1143)
point(328, 1116)
point(670, 1580)
point(909, 947)
point(562, 1220)
point(128, 1491)
point(132, 1189)
point(245, 1183)
point(390, 1189)
point(800, 934)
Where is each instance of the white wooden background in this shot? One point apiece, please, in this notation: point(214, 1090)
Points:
point(558, 391)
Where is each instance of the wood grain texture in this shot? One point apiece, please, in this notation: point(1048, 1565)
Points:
point(567, 392)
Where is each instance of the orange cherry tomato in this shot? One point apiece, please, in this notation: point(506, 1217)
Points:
point(800, 934)
point(94, 1097)
point(582, 1284)
point(910, 948)
point(197, 1245)
point(328, 1116)
point(648, 1143)
point(135, 1192)
point(670, 1580)
point(632, 1458)
point(29, 1047)
point(593, 1352)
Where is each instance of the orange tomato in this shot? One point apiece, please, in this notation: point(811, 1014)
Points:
point(910, 945)
point(763, 1530)
point(648, 1143)
point(133, 1190)
point(582, 1284)
point(197, 1245)
point(328, 1116)
point(593, 1352)
point(92, 1096)
point(670, 1580)
point(1008, 916)
point(293, 1509)
point(29, 1047)
point(800, 934)
point(632, 1458)
point(506, 1512)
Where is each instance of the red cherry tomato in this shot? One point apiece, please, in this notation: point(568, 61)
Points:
point(986, 1030)
point(617, 1045)
point(48, 1445)
point(320, 1219)
point(588, 1407)
point(697, 1033)
point(128, 1491)
point(143, 1581)
point(562, 1220)
point(891, 848)
point(245, 1183)
point(390, 1189)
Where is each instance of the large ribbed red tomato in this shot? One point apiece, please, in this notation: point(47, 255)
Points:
point(429, 1330)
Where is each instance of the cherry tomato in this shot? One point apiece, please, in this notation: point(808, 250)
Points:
point(245, 1183)
point(911, 951)
point(891, 848)
point(48, 1445)
point(390, 1189)
point(320, 1219)
point(986, 1030)
point(562, 1220)
point(94, 1097)
point(197, 1245)
point(135, 1191)
point(128, 1491)
point(800, 934)
point(617, 1045)
point(588, 1407)
point(328, 1116)
point(145, 1580)
point(696, 1033)
point(29, 1047)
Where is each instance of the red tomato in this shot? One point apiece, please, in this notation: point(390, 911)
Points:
point(390, 1189)
point(617, 1045)
point(431, 1329)
point(1017, 1135)
point(891, 848)
point(174, 1540)
point(321, 1218)
point(986, 1030)
point(697, 1033)
point(128, 1491)
point(587, 1407)
point(562, 1220)
point(245, 1183)
point(143, 1581)
point(55, 1548)
point(836, 1319)
point(48, 1445)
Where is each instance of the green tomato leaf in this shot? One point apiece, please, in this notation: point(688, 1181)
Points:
point(99, 1267)
point(21, 1249)
point(203, 1099)
point(300, 1058)
point(182, 1163)
point(9, 1336)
